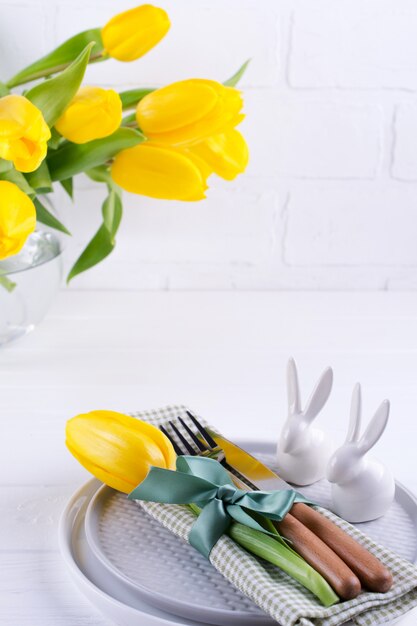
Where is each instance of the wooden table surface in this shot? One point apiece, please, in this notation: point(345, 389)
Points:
point(221, 353)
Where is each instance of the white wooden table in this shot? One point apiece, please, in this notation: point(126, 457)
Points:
point(223, 354)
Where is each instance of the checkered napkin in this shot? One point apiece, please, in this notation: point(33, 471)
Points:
point(284, 599)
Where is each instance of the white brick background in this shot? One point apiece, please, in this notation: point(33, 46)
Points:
point(330, 198)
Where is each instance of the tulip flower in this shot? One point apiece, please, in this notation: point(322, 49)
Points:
point(160, 172)
point(17, 218)
point(93, 113)
point(131, 34)
point(227, 154)
point(118, 449)
point(23, 133)
point(189, 111)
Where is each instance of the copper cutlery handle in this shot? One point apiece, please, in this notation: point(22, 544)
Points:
point(321, 557)
point(371, 572)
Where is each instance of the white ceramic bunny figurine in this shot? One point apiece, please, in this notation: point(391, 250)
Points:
point(303, 451)
point(363, 488)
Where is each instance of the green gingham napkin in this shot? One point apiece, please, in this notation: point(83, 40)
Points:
point(284, 599)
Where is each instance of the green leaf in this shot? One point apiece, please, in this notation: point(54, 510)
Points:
point(4, 90)
point(131, 97)
point(52, 96)
point(72, 158)
point(13, 176)
point(8, 284)
point(61, 57)
point(100, 174)
point(112, 213)
point(233, 80)
point(5, 166)
point(55, 140)
point(129, 120)
point(40, 179)
point(103, 241)
point(47, 218)
point(67, 184)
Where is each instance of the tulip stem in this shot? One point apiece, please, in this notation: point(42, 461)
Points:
point(275, 551)
point(8, 284)
point(13, 82)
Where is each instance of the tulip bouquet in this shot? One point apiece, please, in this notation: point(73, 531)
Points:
point(162, 143)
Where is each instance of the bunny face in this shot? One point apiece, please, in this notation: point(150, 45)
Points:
point(345, 464)
point(293, 435)
point(303, 450)
point(349, 461)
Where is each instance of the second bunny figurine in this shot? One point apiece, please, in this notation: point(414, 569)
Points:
point(363, 488)
point(303, 451)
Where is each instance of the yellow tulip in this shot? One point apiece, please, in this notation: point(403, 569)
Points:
point(226, 154)
point(17, 218)
point(23, 133)
point(189, 111)
point(131, 34)
point(118, 449)
point(160, 172)
point(93, 113)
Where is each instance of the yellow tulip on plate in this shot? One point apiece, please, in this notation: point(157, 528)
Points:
point(17, 218)
point(23, 133)
point(189, 111)
point(131, 34)
point(92, 114)
point(118, 449)
point(161, 172)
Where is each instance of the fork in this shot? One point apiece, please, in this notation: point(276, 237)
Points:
point(207, 448)
point(320, 556)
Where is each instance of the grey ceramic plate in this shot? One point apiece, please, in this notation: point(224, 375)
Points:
point(148, 560)
point(112, 598)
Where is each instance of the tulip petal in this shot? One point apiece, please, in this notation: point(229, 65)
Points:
point(17, 218)
point(93, 113)
point(23, 133)
point(227, 154)
point(116, 448)
point(189, 111)
point(159, 172)
point(131, 34)
point(116, 482)
point(165, 109)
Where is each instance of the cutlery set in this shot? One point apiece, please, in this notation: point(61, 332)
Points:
point(342, 561)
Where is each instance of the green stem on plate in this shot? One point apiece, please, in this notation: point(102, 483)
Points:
point(275, 551)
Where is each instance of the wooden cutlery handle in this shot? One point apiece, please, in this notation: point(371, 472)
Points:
point(370, 571)
point(321, 557)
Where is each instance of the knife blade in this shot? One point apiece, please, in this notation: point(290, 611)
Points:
point(371, 572)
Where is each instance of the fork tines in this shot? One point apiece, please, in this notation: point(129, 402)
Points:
point(202, 446)
point(176, 447)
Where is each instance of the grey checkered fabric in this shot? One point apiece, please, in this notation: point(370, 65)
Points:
point(284, 599)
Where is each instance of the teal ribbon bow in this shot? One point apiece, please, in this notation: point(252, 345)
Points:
point(205, 482)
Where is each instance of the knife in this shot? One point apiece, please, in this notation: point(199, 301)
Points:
point(371, 572)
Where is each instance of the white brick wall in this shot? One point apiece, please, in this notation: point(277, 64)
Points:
point(330, 198)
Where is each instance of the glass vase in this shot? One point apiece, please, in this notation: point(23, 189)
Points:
point(29, 282)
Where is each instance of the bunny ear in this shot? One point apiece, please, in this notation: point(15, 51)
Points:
point(375, 428)
point(320, 394)
point(293, 388)
point(355, 415)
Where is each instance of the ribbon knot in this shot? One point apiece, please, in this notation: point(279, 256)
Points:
point(229, 493)
point(203, 481)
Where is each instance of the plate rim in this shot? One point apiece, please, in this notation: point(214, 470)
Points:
point(69, 520)
point(91, 487)
point(176, 607)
